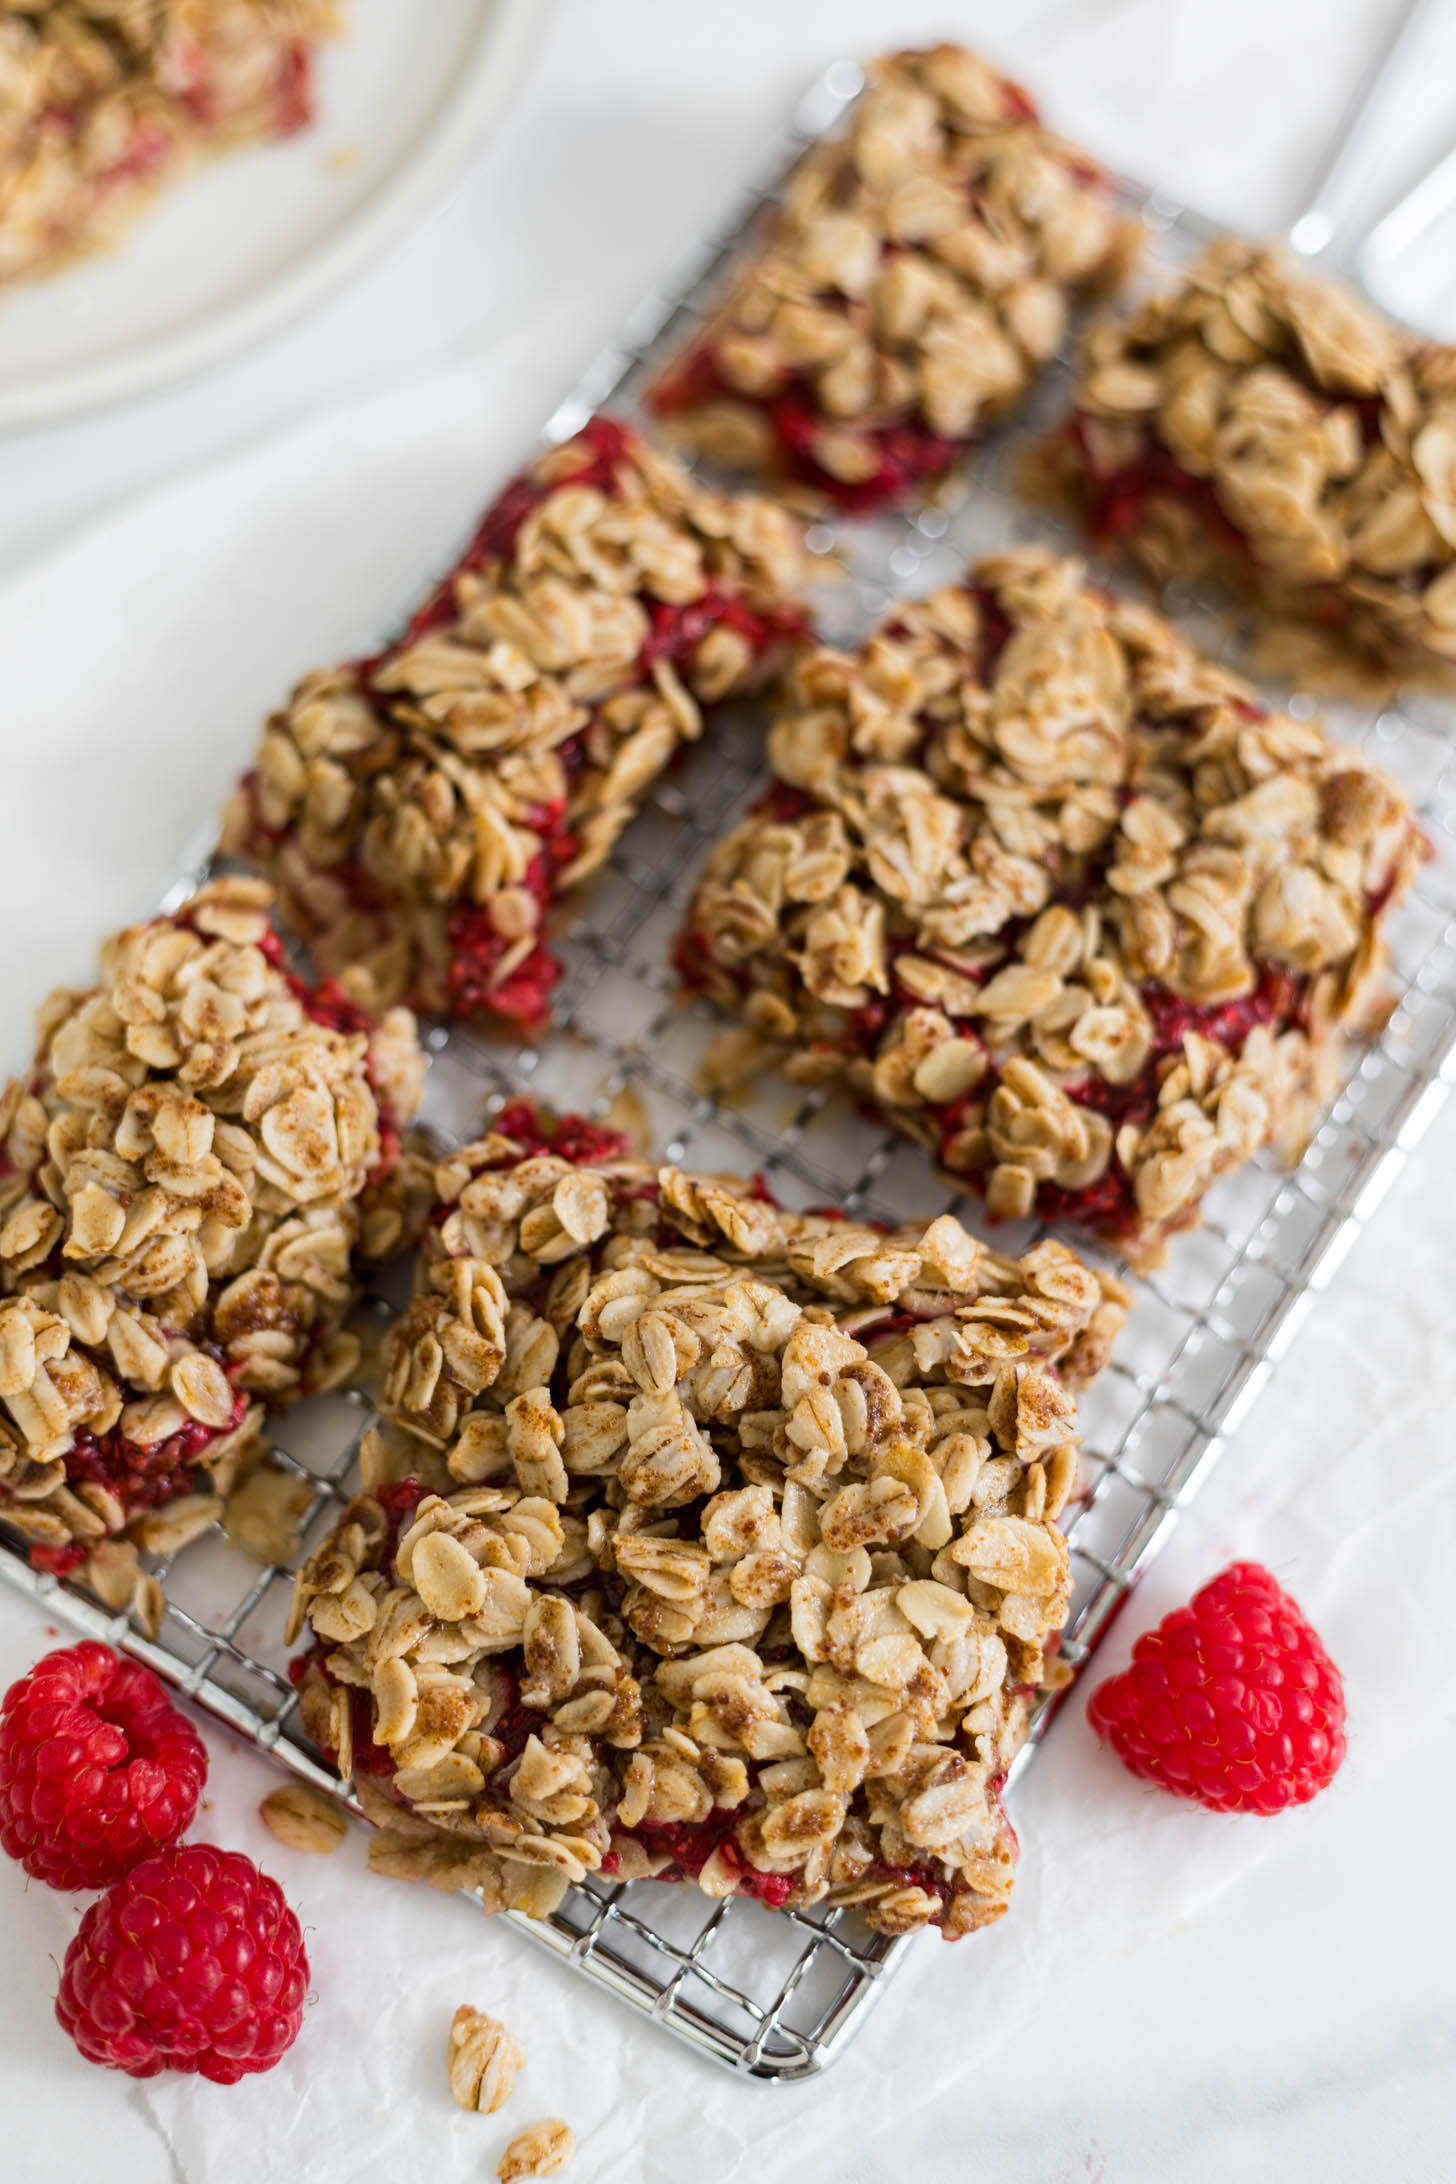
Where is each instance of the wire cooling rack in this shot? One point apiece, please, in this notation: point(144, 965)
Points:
point(777, 1995)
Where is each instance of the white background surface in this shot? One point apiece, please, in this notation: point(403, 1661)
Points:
point(1174, 1996)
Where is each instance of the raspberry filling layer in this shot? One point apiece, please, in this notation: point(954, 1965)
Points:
point(138, 1478)
point(473, 983)
point(570, 1137)
point(144, 1478)
point(908, 453)
point(186, 67)
point(689, 1846)
point(1108, 1204)
point(476, 949)
point(1116, 498)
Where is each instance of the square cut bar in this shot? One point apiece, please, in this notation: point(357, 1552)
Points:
point(422, 810)
point(1269, 429)
point(101, 104)
point(703, 1540)
point(1055, 895)
point(909, 290)
point(198, 1155)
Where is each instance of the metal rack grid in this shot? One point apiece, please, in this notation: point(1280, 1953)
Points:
point(777, 1995)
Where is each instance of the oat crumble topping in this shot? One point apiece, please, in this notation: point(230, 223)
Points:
point(702, 1539)
point(421, 811)
point(1055, 895)
point(911, 288)
point(199, 1151)
point(1265, 426)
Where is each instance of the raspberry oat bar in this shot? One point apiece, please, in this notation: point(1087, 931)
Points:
point(1057, 896)
point(199, 1150)
point(421, 810)
point(909, 291)
point(704, 1540)
point(1268, 428)
point(102, 101)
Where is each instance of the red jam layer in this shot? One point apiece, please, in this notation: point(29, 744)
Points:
point(1115, 500)
point(399, 1499)
point(515, 1724)
point(143, 156)
point(513, 1727)
point(293, 91)
point(473, 984)
point(570, 1137)
point(369, 1758)
point(145, 1478)
point(475, 945)
point(914, 1876)
point(909, 454)
point(1107, 1205)
point(690, 1846)
point(58, 1561)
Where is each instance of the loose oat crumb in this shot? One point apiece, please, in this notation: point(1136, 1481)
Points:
point(544, 2149)
point(302, 1818)
point(263, 1515)
point(483, 2059)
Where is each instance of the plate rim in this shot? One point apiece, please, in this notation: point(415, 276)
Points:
point(505, 42)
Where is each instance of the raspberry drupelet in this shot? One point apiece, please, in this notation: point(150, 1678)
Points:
point(97, 1768)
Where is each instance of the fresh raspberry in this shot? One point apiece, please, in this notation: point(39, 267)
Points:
point(97, 1767)
point(192, 1961)
point(1232, 1700)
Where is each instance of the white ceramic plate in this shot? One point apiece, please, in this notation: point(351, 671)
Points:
point(249, 242)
